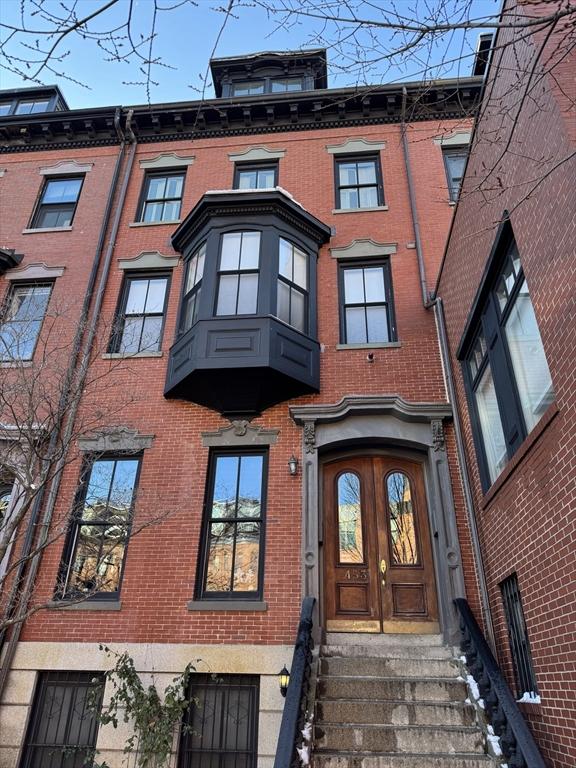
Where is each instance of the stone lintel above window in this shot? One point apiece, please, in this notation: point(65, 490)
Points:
point(115, 439)
point(455, 139)
point(256, 155)
point(66, 168)
point(239, 433)
point(355, 146)
point(167, 160)
point(148, 260)
point(363, 248)
point(35, 272)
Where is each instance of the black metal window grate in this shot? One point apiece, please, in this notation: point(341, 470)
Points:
point(518, 637)
point(63, 726)
point(220, 729)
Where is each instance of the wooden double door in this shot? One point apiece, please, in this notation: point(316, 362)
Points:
point(378, 569)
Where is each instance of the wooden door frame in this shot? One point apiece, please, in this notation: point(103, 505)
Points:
point(367, 424)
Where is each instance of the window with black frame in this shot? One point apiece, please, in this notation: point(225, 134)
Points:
point(454, 163)
point(255, 176)
point(161, 197)
point(233, 532)
point(63, 725)
point(94, 558)
point(238, 273)
point(22, 320)
point(292, 300)
point(526, 687)
point(192, 288)
point(220, 727)
point(507, 375)
point(366, 303)
point(359, 182)
point(57, 204)
point(140, 318)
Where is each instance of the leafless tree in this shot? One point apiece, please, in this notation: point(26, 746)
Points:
point(45, 409)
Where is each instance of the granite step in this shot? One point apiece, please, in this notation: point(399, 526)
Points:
point(391, 688)
point(359, 737)
point(394, 712)
point(389, 667)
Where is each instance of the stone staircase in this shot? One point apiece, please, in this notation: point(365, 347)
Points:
point(393, 701)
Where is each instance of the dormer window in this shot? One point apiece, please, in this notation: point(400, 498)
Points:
point(286, 84)
point(267, 85)
point(248, 88)
point(248, 311)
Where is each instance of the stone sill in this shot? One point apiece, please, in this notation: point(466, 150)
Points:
point(122, 356)
point(41, 230)
point(360, 210)
point(154, 223)
point(227, 605)
point(382, 345)
point(86, 605)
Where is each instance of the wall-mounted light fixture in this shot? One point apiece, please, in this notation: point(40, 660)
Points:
point(283, 680)
point(293, 465)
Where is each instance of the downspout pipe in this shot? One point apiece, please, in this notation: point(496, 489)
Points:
point(81, 352)
point(466, 484)
point(434, 301)
point(413, 206)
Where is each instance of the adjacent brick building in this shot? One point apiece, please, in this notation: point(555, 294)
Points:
point(270, 395)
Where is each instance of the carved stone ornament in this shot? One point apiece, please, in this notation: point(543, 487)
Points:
point(437, 434)
point(111, 439)
point(309, 436)
point(240, 432)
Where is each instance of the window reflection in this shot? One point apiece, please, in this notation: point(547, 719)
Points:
point(101, 529)
point(350, 519)
point(402, 525)
point(235, 525)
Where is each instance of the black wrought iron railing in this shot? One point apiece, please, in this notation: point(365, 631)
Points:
point(516, 740)
point(297, 704)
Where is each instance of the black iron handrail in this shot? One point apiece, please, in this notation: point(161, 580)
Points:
point(296, 705)
point(516, 740)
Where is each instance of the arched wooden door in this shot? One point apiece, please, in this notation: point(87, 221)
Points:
point(378, 569)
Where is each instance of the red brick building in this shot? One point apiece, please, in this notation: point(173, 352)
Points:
point(271, 414)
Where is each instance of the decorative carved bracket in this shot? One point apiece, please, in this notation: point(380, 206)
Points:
point(438, 437)
point(240, 432)
point(309, 436)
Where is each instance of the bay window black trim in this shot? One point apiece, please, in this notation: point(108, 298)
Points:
point(490, 323)
point(120, 314)
point(201, 593)
point(63, 591)
point(358, 158)
point(342, 304)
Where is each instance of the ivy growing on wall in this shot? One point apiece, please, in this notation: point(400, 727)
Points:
point(153, 717)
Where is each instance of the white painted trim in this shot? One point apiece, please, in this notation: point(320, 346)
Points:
point(65, 167)
point(39, 271)
point(255, 154)
point(153, 223)
point(167, 160)
point(363, 248)
point(149, 260)
point(351, 146)
point(456, 139)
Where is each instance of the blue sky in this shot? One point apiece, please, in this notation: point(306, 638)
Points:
point(186, 38)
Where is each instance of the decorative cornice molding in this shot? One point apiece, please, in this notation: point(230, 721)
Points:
point(240, 432)
point(256, 154)
point(455, 139)
point(149, 260)
point(65, 167)
point(352, 146)
point(167, 160)
point(115, 439)
point(370, 405)
point(38, 271)
point(363, 248)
